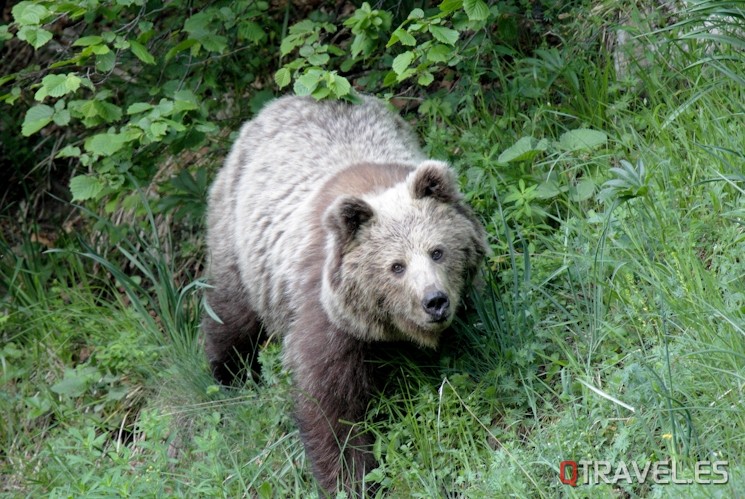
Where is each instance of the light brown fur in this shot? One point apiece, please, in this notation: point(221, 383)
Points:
point(328, 227)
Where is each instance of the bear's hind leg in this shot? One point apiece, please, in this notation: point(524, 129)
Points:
point(232, 347)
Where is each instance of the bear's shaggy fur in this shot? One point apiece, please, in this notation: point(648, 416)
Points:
point(328, 227)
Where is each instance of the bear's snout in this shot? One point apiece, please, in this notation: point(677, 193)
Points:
point(437, 305)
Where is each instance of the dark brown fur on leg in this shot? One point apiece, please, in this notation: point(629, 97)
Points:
point(233, 345)
point(334, 389)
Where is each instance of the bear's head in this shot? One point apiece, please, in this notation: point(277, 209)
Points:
point(398, 260)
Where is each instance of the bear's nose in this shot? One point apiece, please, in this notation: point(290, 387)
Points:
point(436, 304)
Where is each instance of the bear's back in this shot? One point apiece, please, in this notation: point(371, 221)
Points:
point(262, 217)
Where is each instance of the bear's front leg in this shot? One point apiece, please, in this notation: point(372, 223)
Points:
point(334, 384)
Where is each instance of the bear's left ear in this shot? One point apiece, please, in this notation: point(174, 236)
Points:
point(345, 217)
point(434, 179)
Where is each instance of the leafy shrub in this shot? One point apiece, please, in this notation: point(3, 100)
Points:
point(134, 92)
point(126, 85)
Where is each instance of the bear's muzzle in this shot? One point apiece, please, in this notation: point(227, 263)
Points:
point(437, 305)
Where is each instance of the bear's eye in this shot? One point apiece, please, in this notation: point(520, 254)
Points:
point(398, 268)
point(436, 254)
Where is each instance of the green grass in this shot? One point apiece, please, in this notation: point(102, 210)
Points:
point(611, 323)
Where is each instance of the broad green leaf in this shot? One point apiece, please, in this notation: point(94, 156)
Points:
point(361, 43)
point(439, 53)
point(158, 129)
point(36, 118)
point(416, 14)
point(375, 476)
point(61, 117)
point(548, 190)
point(524, 149)
point(85, 109)
point(307, 83)
point(139, 107)
point(180, 47)
point(6, 79)
point(71, 386)
point(117, 393)
point(99, 49)
point(72, 84)
point(443, 34)
point(197, 25)
point(318, 59)
point(95, 112)
point(4, 33)
point(390, 78)
point(49, 81)
point(582, 139)
point(164, 108)
point(198, 28)
point(282, 77)
point(404, 37)
point(87, 41)
point(339, 85)
point(303, 27)
point(185, 100)
point(300, 89)
point(448, 6)
point(425, 78)
point(583, 191)
point(289, 43)
point(87, 84)
point(84, 187)
point(58, 85)
point(306, 51)
point(69, 151)
point(207, 127)
point(476, 10)
point(215, 43)
point(251, 31)
point(29, 13)
point(141, 52)
point(406, 74)
point(321, 93)
point(12, 96)
point(105, 62)
point(34, 36)
point(108, 111)
point(265, 491)
point(104, 144)
point(402, 62)
point(227, 16)
point(174, 125)
point(128, 134)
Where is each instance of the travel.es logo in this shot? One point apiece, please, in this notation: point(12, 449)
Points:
point(585, 472)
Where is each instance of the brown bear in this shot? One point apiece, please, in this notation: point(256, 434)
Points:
point(329, 228)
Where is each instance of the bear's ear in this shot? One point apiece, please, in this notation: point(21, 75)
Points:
point(434, 179)
point(345, 217)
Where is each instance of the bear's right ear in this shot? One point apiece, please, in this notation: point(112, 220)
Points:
point(345, 217)
point(434, 179)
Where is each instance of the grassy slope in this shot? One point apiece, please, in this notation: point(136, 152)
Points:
point(638, 293)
